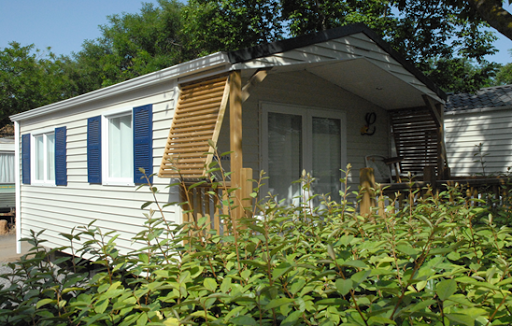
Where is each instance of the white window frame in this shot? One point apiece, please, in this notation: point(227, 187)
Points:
point(45, 181)
point(307, 113)
point(105, 123)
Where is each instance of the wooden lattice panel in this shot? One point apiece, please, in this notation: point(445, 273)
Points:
point(197, 119)
point(416, 138)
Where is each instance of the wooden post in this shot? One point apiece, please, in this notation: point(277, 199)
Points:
point(437, 111)
point(246, 191)
point(235, 138)
point(367, 182)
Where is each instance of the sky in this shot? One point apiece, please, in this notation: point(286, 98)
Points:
point(63, 25)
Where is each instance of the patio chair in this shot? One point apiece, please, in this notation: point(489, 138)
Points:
point(382, 168)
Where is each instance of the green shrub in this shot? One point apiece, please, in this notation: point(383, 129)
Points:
point(443, 261)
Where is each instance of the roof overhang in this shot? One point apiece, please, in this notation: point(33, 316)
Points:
point(351, 57)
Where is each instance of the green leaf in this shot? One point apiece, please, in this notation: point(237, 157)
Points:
point(292, 318)
point(144, 258)
point(360, 277)
point(332, 302)
point(210, 284)
point(278, 302)
point(380, 321)
point(43, 302)
point(446, 288)
point(422, 305)
point(460, 319)
point(407, 249)
point(101, 307)
point(344, 286)
point(146, 204)
point(354, 263)
point(330, 251)
point(280, 270)
point(233, 312)
point(72, 289)
point(244, 320)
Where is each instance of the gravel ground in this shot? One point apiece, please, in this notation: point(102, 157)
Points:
point(4, 269)
point(8, 253)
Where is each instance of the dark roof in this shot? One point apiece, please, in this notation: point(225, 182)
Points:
point(491, 97)
point(267, 49)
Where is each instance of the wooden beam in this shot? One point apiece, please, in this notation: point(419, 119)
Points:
point(255, 79)
point(437, 112)
point(235, 139)
point(431, 105)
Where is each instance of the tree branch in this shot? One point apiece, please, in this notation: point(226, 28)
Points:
point(494, 14)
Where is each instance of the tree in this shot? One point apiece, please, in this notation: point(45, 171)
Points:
point(29, 78)
point(231, 25)
point(132, 45)
point(504, 75)
point(492, 12)
point(426, 32)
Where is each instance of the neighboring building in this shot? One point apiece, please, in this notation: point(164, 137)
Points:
point(315, 102)
point(482, 118)
point(7, 179)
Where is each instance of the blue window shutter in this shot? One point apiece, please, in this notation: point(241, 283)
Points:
point(25, 158)
point(61, 175)
point(94, 149)
point(142, 142)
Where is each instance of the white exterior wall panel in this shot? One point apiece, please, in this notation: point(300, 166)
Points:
point(306, 89)
point(115, 208)
point(465, 131)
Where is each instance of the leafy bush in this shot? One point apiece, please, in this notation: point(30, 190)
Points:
point(443, 261)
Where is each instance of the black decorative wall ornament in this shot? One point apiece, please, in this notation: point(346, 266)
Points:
point(370, 119)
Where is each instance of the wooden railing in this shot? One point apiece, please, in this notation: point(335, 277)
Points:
point(220, 206)
point(492, 190)
point(206, 201)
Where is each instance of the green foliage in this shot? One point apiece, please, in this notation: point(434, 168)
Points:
point(29, 78)
point(504, 75)
point(132, 45)
point(445, 261)
point(437, 36)
point(461, 75)
point(231, 25)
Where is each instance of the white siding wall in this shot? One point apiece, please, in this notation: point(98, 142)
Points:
point(58, 209)
point(463, 132)
point(306, 89)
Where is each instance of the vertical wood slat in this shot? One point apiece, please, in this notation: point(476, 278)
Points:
point(235, 138)
point(246, 190)
point(204, 204)
point(197, 119)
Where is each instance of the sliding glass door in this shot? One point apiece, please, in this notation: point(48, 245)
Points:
point(296, 139)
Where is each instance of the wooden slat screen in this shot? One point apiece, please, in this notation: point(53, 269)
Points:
point(197, 119)
point(415, 134)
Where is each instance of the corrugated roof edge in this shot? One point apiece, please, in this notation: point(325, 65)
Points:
point(170, 73)
point(267, 49)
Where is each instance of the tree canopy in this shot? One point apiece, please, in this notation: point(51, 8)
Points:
point(30, 78)
point(446, 39)
point(433, 34)
point(132, 45)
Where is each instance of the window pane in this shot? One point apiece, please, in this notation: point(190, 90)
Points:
point(39, 157)
point(120, 147)
point(6, 168)
point(50, 157)
point(284, 155)
point(326, 157)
